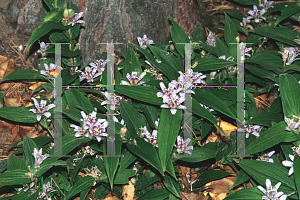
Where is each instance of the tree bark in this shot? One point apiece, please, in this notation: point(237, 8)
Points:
point(116, 20)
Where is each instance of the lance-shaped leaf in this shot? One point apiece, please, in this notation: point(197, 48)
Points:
point(112, 163)
point(145, 151)
point(290, 94)
point(168, 130)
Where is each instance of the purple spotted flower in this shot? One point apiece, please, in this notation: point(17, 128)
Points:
point(75, 19)
point(134, 79)
point(49, 71)
point(144, 41)
point(39, 157)
point(89, 74)
point(256, 14)
point(182, 145)
point(41, 109)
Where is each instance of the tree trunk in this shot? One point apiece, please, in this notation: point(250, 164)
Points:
point(123, 21)
point(115, 20)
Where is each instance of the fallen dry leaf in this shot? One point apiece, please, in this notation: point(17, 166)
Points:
point(7, 65)
point(227, 128)
point(128, 191)
point(193, 196)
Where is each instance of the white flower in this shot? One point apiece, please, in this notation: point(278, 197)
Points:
point(99, 129)
point(99, 65)
point(266, 157)
point(133, 79)
point(271, 192)
point(144, 41)
point(112, 100)
point(292, 125)
point(174, 102)
point(296, 150)
point(47, 189)
point(289, 164)
point(252, 129)
point(171, 98)
point(50, 71)
point(41, 109)
point(211, 39)
point(96, 127)
point(245, 22)
point(256, 14)
point(43, 47)
point(39, 158)
point(80, 131)
point(148, 137)
point(244, 50)
point(89, 74)
point(289, 55)
point(266, 5)
point(182, 145)
point(76, 18)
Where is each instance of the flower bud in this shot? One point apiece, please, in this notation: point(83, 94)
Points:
point(66, 13)
point(172, 47)
point(133, 180)
point(71, 14)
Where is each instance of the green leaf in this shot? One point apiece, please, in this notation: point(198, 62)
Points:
point(221, 47)
point(13, 162)
point(265, 119)
point(73, 114)
point(144, 94)
point(158, 194)
point(205, 64)
point(3, 165)
point(241, 178)
point(76, 98)
point(205, 97)
point(197, 35)
point(290, 95)
point(171, 185)
point(150, 113)
point(230, 32)
point(270, 138)
point(47, 164)
point(246, 194)
point(126, 160)
point(209, 176)
point(28, 147)
point(69, 142)
point(297, 173)
point(198, 155)
point(270, 61)
point(145, 151)
point(291, 9)
point(168, 130)
point(24, 115)
point(58, 38)
point(43, 30)
point(123, 177)
point(260, 171)
point(168, 63)
point(280, 34)
point(101, 192)
point(132, 118)
point(178, 36)
point(170, 168)
point(15, 177)
point(111, 163)
point(79, 186)
point(23, 74)
point(131, 62)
